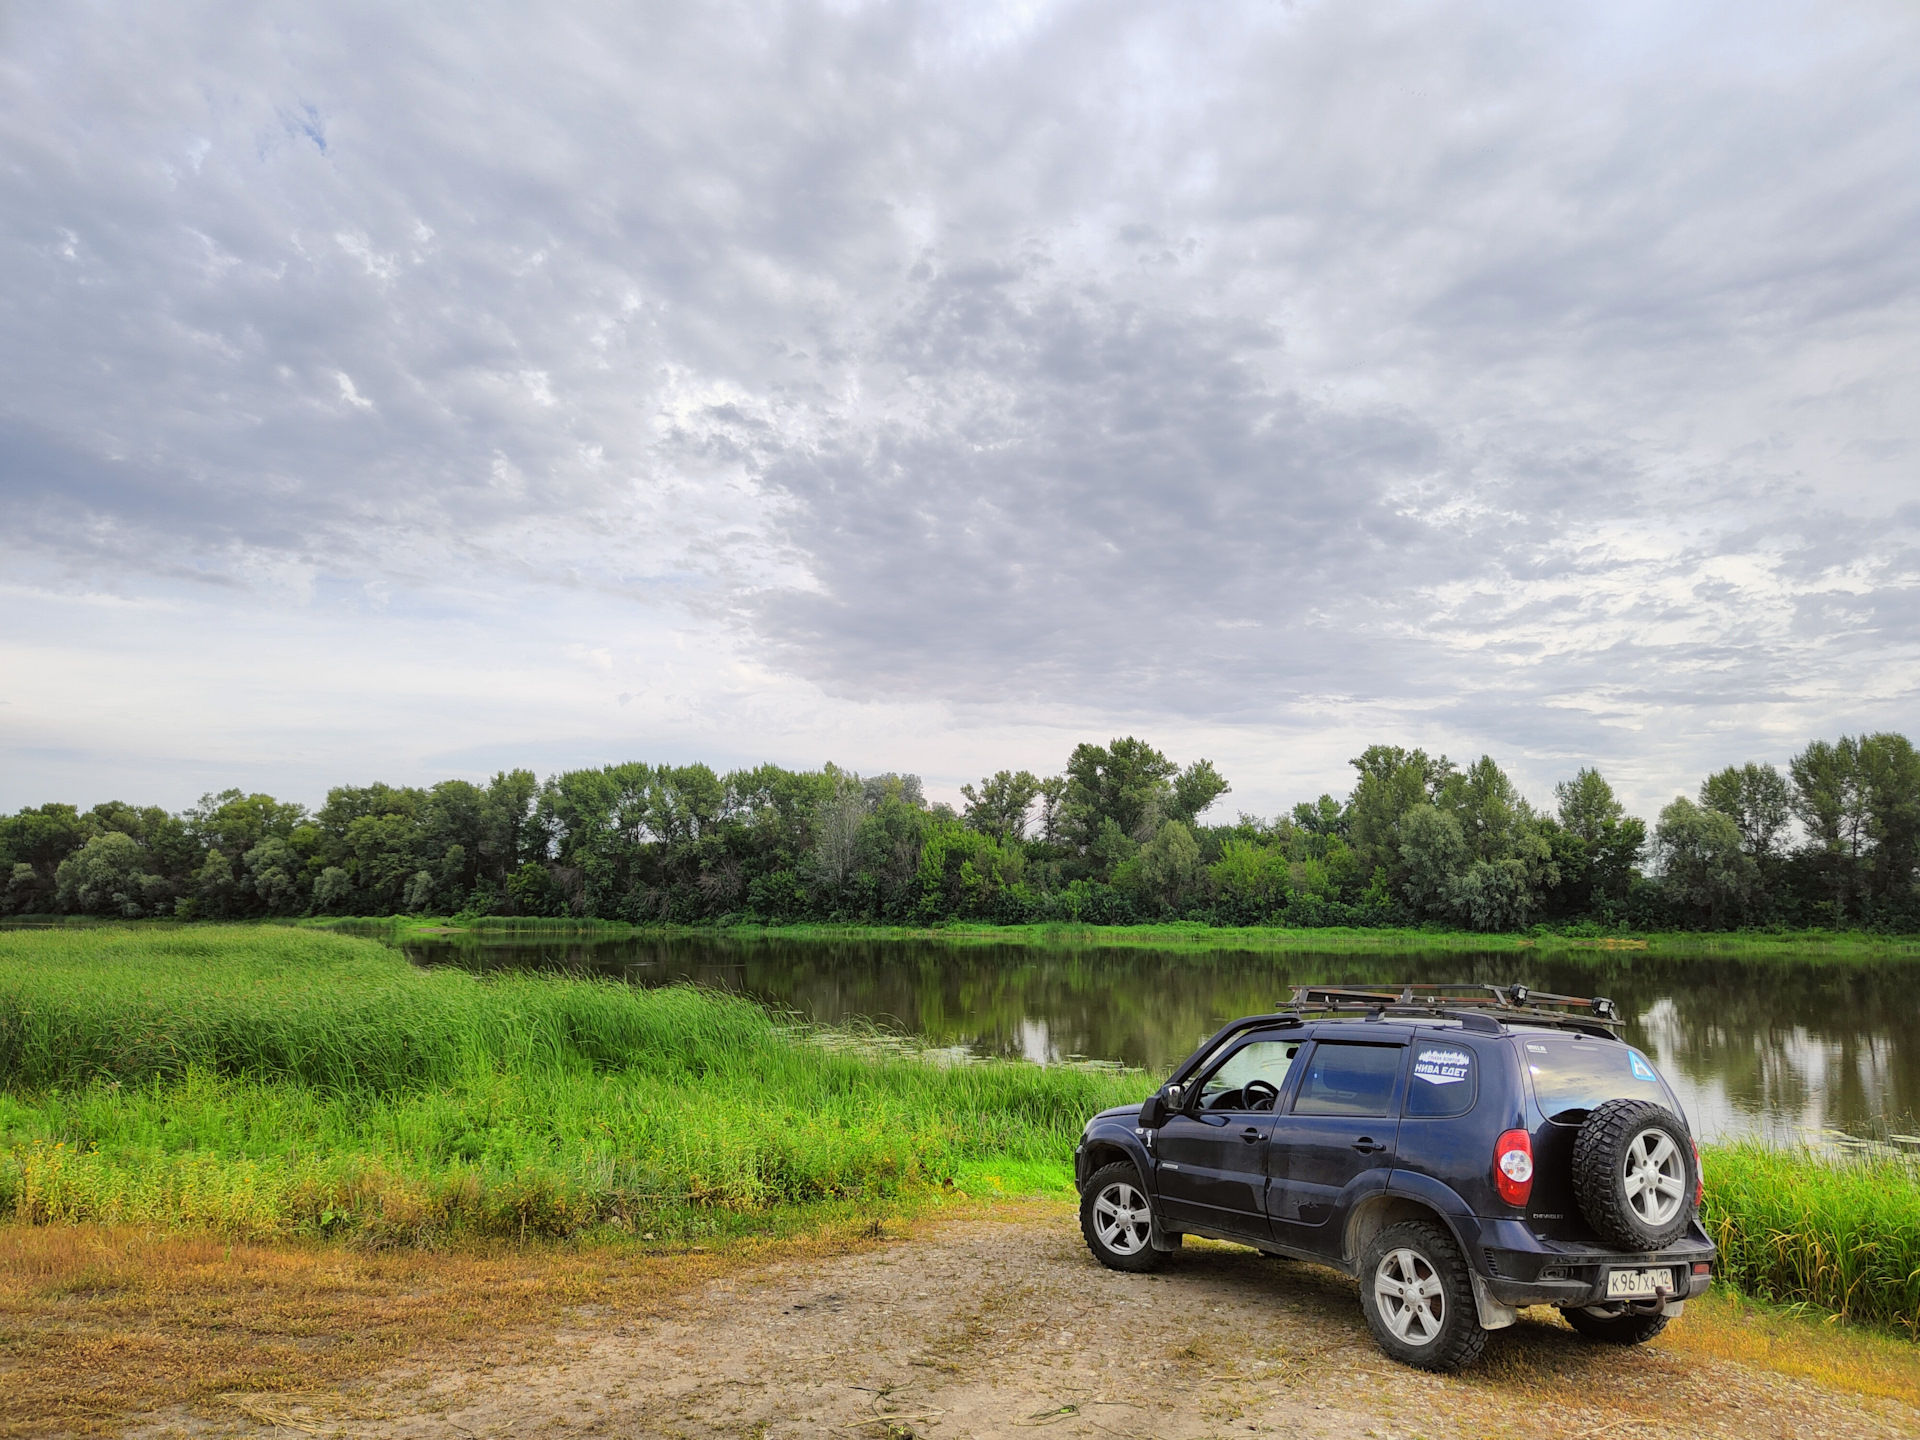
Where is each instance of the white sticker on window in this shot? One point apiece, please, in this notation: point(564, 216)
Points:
point(1641, 1070)
point(1442, 1067)
point(1538, 1049)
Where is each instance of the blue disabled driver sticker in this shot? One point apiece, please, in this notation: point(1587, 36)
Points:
point(1641, 1070)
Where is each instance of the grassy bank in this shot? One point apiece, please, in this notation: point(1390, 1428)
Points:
point(1750, 945)
point(266, 1081)
point(1843, 1236)
point(1193, 935)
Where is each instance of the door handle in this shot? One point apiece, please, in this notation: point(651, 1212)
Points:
point(1367, 1146)
point(1250, 1134)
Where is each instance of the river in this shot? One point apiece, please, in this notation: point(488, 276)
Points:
point(1789, 1050)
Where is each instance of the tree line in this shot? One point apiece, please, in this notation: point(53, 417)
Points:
point(1117, 837)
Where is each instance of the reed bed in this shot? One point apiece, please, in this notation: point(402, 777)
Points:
point(1840, 1234)
point(270, 1081)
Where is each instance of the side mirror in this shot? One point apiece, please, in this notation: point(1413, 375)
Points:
point(1153, 1113)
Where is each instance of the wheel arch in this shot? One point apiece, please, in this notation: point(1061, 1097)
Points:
point(1377, 1212)
point(1102, 1151)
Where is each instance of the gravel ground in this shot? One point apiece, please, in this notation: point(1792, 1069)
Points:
point(1003, 1325)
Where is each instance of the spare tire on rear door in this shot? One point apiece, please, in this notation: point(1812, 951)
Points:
point(1633, 1174)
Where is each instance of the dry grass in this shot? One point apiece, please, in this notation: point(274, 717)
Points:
point(1850, 1358)
point(101, 1325)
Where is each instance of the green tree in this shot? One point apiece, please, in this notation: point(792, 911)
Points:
point(966, 873)
point(1166, 872)
point(333, 891)
point(1124, 792)
point(214, 890)
point(39, 839)
point(999, 807)
point(1195, 789)
point(111, 875)
point(1128, 782)
point(1392, 781)
point(1830, 799)
point(505, 819)
point(836, 830)
point(1756, 799)
point(273, 874)
point(1325, 816)
point(1433, 857)
point(1601, 863)
point(887, 852)
point(1053, 795)
point(1889, 771)
point(1705, 871)
point(1491, 812)
point(419, 893)
point(1252, 879)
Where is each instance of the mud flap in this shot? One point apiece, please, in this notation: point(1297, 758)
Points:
point(1673, 1308)
point(1158, 1238)
point(1493, 1315)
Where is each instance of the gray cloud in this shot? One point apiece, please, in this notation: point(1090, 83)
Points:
point(1538, 379)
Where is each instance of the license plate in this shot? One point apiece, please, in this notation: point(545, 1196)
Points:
point(1637, 1284)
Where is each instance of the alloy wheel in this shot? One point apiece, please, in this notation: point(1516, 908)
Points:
point(1412, 1300)
point(1122, 1220)
point(1656, 1176)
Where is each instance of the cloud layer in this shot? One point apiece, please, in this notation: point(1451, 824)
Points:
point(924, 384)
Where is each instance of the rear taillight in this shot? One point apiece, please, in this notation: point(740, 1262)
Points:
point(1513, 1167)
point(1699, 1177)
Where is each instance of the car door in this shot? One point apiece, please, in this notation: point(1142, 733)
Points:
point(1342, 1121)
point(1212, 1152)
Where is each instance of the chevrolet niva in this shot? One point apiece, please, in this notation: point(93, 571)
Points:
point(1463, 1151)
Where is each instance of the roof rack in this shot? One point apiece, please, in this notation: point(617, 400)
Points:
point(1465, 1003)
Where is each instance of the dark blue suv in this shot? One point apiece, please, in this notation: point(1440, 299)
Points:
point(1464, 1151)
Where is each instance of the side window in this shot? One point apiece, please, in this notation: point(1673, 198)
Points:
point(1446, 1080)
point(1261, 1064)
point(1345, 1079)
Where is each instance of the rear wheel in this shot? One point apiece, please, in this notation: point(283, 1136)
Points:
point(1117, 1220)
point(1418, 1297)
point(1614, 1324)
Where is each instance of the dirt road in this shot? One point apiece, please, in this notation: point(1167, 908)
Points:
point(997, 1326)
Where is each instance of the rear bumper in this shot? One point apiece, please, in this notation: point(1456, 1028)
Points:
point(1581, 1292)
point(1517, 1266)
point(1520, 1268)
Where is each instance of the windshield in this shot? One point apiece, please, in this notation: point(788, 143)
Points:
point(1572, 1077)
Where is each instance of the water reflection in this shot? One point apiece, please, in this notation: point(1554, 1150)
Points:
point(1775, 1048)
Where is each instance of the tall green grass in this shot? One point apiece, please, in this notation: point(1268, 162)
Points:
point(1840, 1235)
point(267, 1081)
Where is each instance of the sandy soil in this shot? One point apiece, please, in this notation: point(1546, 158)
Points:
point(1000, 1325)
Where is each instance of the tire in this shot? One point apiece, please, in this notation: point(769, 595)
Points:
point(1633, 1174)
point(1116, 1218)
point(1614, 1324)
point(1436, 1328)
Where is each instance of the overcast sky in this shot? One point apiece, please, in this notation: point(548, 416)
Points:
point(397, 392)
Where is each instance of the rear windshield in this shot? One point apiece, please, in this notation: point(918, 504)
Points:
point(1571, 1077)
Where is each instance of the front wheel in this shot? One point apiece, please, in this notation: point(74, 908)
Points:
point(1614, 1324)
point(1115, 1218)
point(1418, 1297)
